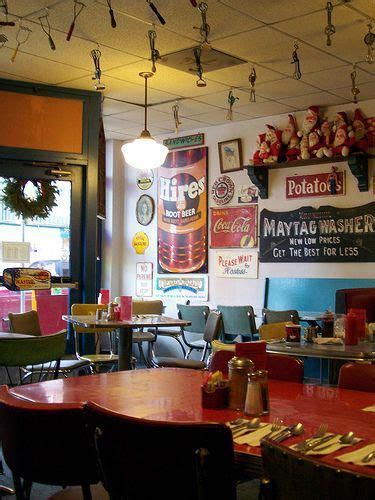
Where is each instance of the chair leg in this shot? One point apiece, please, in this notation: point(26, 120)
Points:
point(181, 344)
point(188, 353)
point(142, 355)
point(27, 488)
point(20, 495)
point(86, 491)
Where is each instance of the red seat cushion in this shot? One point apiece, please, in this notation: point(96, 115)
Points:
point(358, 377)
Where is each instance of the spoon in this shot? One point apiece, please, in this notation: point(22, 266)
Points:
point(254, 423)
point(368, 458)
point(347, 438)
point(293, 430)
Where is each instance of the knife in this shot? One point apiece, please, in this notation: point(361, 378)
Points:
point(312, 446)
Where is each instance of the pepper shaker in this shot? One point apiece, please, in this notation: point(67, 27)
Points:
point(239, 368)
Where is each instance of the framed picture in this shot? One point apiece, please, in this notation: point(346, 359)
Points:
point(230, 155)
point(145, 210)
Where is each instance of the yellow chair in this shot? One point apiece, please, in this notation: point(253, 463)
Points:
point(97, 358)
point(141, 307)
point(220, 346)
point(272, 331)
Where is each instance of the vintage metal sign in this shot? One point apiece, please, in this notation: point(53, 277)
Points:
point(247, 194)
point(234, 227)
point(186, 141)
point(144, 279)
point(18, 279)
point(236, 264)
point(182, 287)
point(326, 234)
point(309, 186)
point(145, 179)
point(222, 190)
point(182, 212)
point(140, 242)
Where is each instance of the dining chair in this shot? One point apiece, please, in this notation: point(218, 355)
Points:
point(271, 316)
point(197, 315)
point(97, 359)
point(238, 320)
point(272, 331)
point(46, 443)
point(188, 461)
point(140, 336)
point(211, 333)
point(36, 358)
point(288, 475)
point(28, 323)
point(357, 376)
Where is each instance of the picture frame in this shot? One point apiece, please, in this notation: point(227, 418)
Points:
point(230, 155)
point(145, 210)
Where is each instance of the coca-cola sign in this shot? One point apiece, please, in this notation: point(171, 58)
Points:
point(234, 227)
point(313, 185)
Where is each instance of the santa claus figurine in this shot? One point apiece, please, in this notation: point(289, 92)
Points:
point(273, 137)
point(341, 142)
point(263, 150)
point(341, 118)
point(326, 140)
point(314, 143)
point(361, 137)
point(310, 124)
point(290, 139)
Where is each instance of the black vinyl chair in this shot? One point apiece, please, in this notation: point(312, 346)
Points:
point(144, 460)
point(197, 315)
point(270, 316)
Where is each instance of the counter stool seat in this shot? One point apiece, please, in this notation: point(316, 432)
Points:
point(169, 362)
point(139, 336)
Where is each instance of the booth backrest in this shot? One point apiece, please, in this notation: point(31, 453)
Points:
point(356, 298)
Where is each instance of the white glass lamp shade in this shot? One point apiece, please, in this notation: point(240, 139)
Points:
point(144, 153)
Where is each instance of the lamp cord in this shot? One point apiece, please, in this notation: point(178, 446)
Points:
point(146, 102)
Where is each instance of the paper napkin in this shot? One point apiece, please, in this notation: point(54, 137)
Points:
point(329, 447)
point(355, 457)
point(253, 438)
point(327, 340)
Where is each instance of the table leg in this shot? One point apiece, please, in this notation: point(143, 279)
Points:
point(125, 348)
point(321, 370)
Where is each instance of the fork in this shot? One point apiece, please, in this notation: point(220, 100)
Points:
point(321, 430)
point(275, 427)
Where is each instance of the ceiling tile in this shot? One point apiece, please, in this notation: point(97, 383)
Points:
point(187, 107)
point(286, 87)
point(110, 134)
point(111, 107)
point(11, 76)
point(273, 50)
point(220, 99)
point(238, 76)
point(267, 12)
point(182, 83)
point(135, 132)
point(347, 42)
point(186, 124)
point(24, 8)
point(367, 91)
point(220, 116)
point(335, 77)
point(316, 99)
point(258, 109)
point(111, 123)
point(367, 7)
point(138, 115)
point(35, 68)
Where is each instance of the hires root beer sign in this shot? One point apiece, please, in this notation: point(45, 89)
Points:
point(313, 185)
point(234, 227)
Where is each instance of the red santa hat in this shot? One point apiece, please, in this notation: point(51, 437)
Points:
point(273, 129)
point(342, 116)
point(314, 110)
point(358, 116)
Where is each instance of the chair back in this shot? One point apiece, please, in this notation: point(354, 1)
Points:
point(188, 461)
point(357, 376)
point(219, 361)
point(213, 327)
point(292, 476)
point(147, 306)
point(356, 298)
point(197, 315)
point(270, 316)
point(46, 443)
point(32, 351)
point(283, 367)
point(87, 310)
point(238, 320)
point(272, 331)
point(26, 323)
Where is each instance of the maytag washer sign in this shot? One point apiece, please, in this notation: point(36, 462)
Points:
point(309, 186)
point(326, 234)
point(237, 264)
point(182, 287)
point(234, 227)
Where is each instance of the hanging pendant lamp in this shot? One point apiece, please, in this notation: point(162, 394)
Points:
point(144, 152)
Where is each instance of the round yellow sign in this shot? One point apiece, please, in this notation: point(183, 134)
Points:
point(140, 242)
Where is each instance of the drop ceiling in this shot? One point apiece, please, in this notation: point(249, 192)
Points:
point(260, 33)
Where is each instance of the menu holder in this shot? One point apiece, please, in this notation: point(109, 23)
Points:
point(126, 307)
point(216, 399)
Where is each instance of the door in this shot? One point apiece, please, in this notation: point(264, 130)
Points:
point(54, 243)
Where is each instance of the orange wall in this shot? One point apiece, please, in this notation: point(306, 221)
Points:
point(39, 122)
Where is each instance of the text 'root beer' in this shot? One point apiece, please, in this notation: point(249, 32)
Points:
point(182, 211)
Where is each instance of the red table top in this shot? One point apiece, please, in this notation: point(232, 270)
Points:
point(173, 394)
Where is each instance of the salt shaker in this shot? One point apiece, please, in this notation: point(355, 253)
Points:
point(254, 401)
point(239, 368)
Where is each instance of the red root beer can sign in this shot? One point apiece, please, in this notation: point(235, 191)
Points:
point(234, 227)
point(313, 185)
point(182, 212)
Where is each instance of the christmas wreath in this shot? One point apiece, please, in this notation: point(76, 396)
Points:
point(15, 199)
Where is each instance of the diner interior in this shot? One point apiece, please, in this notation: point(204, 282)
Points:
point(187, 248)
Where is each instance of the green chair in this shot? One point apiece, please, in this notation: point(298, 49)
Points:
point(238, 320)
point(32, 356)
point(28, 323)
point(197, 315)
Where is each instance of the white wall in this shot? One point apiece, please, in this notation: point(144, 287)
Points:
point(121, 258)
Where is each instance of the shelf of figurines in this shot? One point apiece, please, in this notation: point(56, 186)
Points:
point(357, 162)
